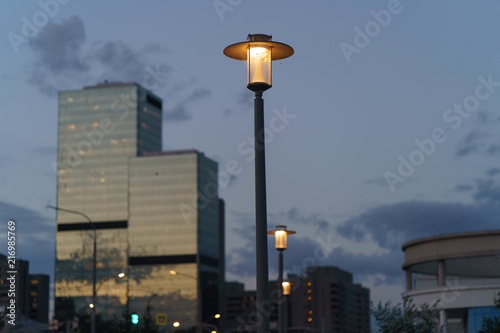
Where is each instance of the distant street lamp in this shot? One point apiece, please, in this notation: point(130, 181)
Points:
point(94, 260)
point(118, 276)
point(198, 294)
point(258, 52)
point(286, 292)
point(280, 235)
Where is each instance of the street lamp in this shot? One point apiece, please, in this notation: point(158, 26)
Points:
point(118, 276)
point(92, 314)
point(259, 51)
point(286, 292)
point(280, 235)
point(198, 286)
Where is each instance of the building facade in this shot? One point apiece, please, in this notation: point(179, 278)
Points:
point(327, 300)
point(458, 273)
point(39, 297)
point(31, 291)
point(156, 214)
point(324, 299)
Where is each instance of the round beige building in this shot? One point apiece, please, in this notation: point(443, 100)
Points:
point(460, 272)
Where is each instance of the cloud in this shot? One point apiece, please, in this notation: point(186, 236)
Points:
point(493, 149)
point(464, 188)
point(35, 236)
point(493, 172)
point(304, 252)
point(487, 192)
point(392, 225)
point(379, 182)
point(180, 112)
point(62, 61)
point(58, 46)
point(244, 103)
point(473, 142)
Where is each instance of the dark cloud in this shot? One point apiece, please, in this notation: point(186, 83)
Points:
point(473, 142)
point(464, 188)
point(35, 236)
point(303, 252)
point(180, 111)
point(487, 192)
point(392, 225)
point(245, 100)
point(122, 63)
point(244, 103)
point(483, 117)
point(58, 46)
point(63, 62)
point(493, 149)
point(493, 172)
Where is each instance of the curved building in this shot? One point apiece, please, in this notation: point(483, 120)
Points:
point(461, 272)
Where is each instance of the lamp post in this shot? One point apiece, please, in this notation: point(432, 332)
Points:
point(92, 314)
point(258, 52)
point(198, 294)
point(120, 275)
point(286, 292)
point(280, 235)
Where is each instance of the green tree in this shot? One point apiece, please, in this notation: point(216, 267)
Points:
point(406, 318)
point(148, 323)
point(491, 325)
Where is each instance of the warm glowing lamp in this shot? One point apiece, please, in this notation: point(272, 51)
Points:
point(280, 235)
point(286, 288)
point(259, 51)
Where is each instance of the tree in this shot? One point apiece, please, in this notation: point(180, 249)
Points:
point(407, 318)
point(149, 321)
point(491, 324)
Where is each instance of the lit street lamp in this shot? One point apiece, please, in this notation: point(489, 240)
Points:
point(286, 292)
point(280, 235)
point(118, 276)
point(198, 294)
point(258, 52)
point(92, 314)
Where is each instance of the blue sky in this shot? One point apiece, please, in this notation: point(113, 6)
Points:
point(387, 117)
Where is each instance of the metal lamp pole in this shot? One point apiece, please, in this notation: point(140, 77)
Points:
point(94, 260)
point(259, 52)
point(280, 235)
point(199, 295)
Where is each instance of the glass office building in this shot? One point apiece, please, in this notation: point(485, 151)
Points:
point(156, 214)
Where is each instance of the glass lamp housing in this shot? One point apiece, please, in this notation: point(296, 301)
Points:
point(280, 236)
point(258, 51)
point(259, 66)
point(286, 288)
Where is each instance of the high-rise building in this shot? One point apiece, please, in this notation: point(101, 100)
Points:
point(20, 291)
point(30, 291)
point(39, 297)
point(157, 215)
point(327, 300)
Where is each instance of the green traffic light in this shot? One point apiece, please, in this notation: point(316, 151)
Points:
point(134, 317)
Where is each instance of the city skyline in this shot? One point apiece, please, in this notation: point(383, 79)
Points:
point(382, 127)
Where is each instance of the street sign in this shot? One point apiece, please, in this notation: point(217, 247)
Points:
point(161, 319)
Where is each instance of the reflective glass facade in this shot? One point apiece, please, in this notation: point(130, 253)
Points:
point(477, 315)
point(154, 212)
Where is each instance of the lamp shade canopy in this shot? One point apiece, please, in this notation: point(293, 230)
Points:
point(259, 51)
point(280, 235)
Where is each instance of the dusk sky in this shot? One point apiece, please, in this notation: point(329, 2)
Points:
point(383, 127)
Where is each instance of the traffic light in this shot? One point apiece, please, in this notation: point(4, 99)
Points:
point(134, 318)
